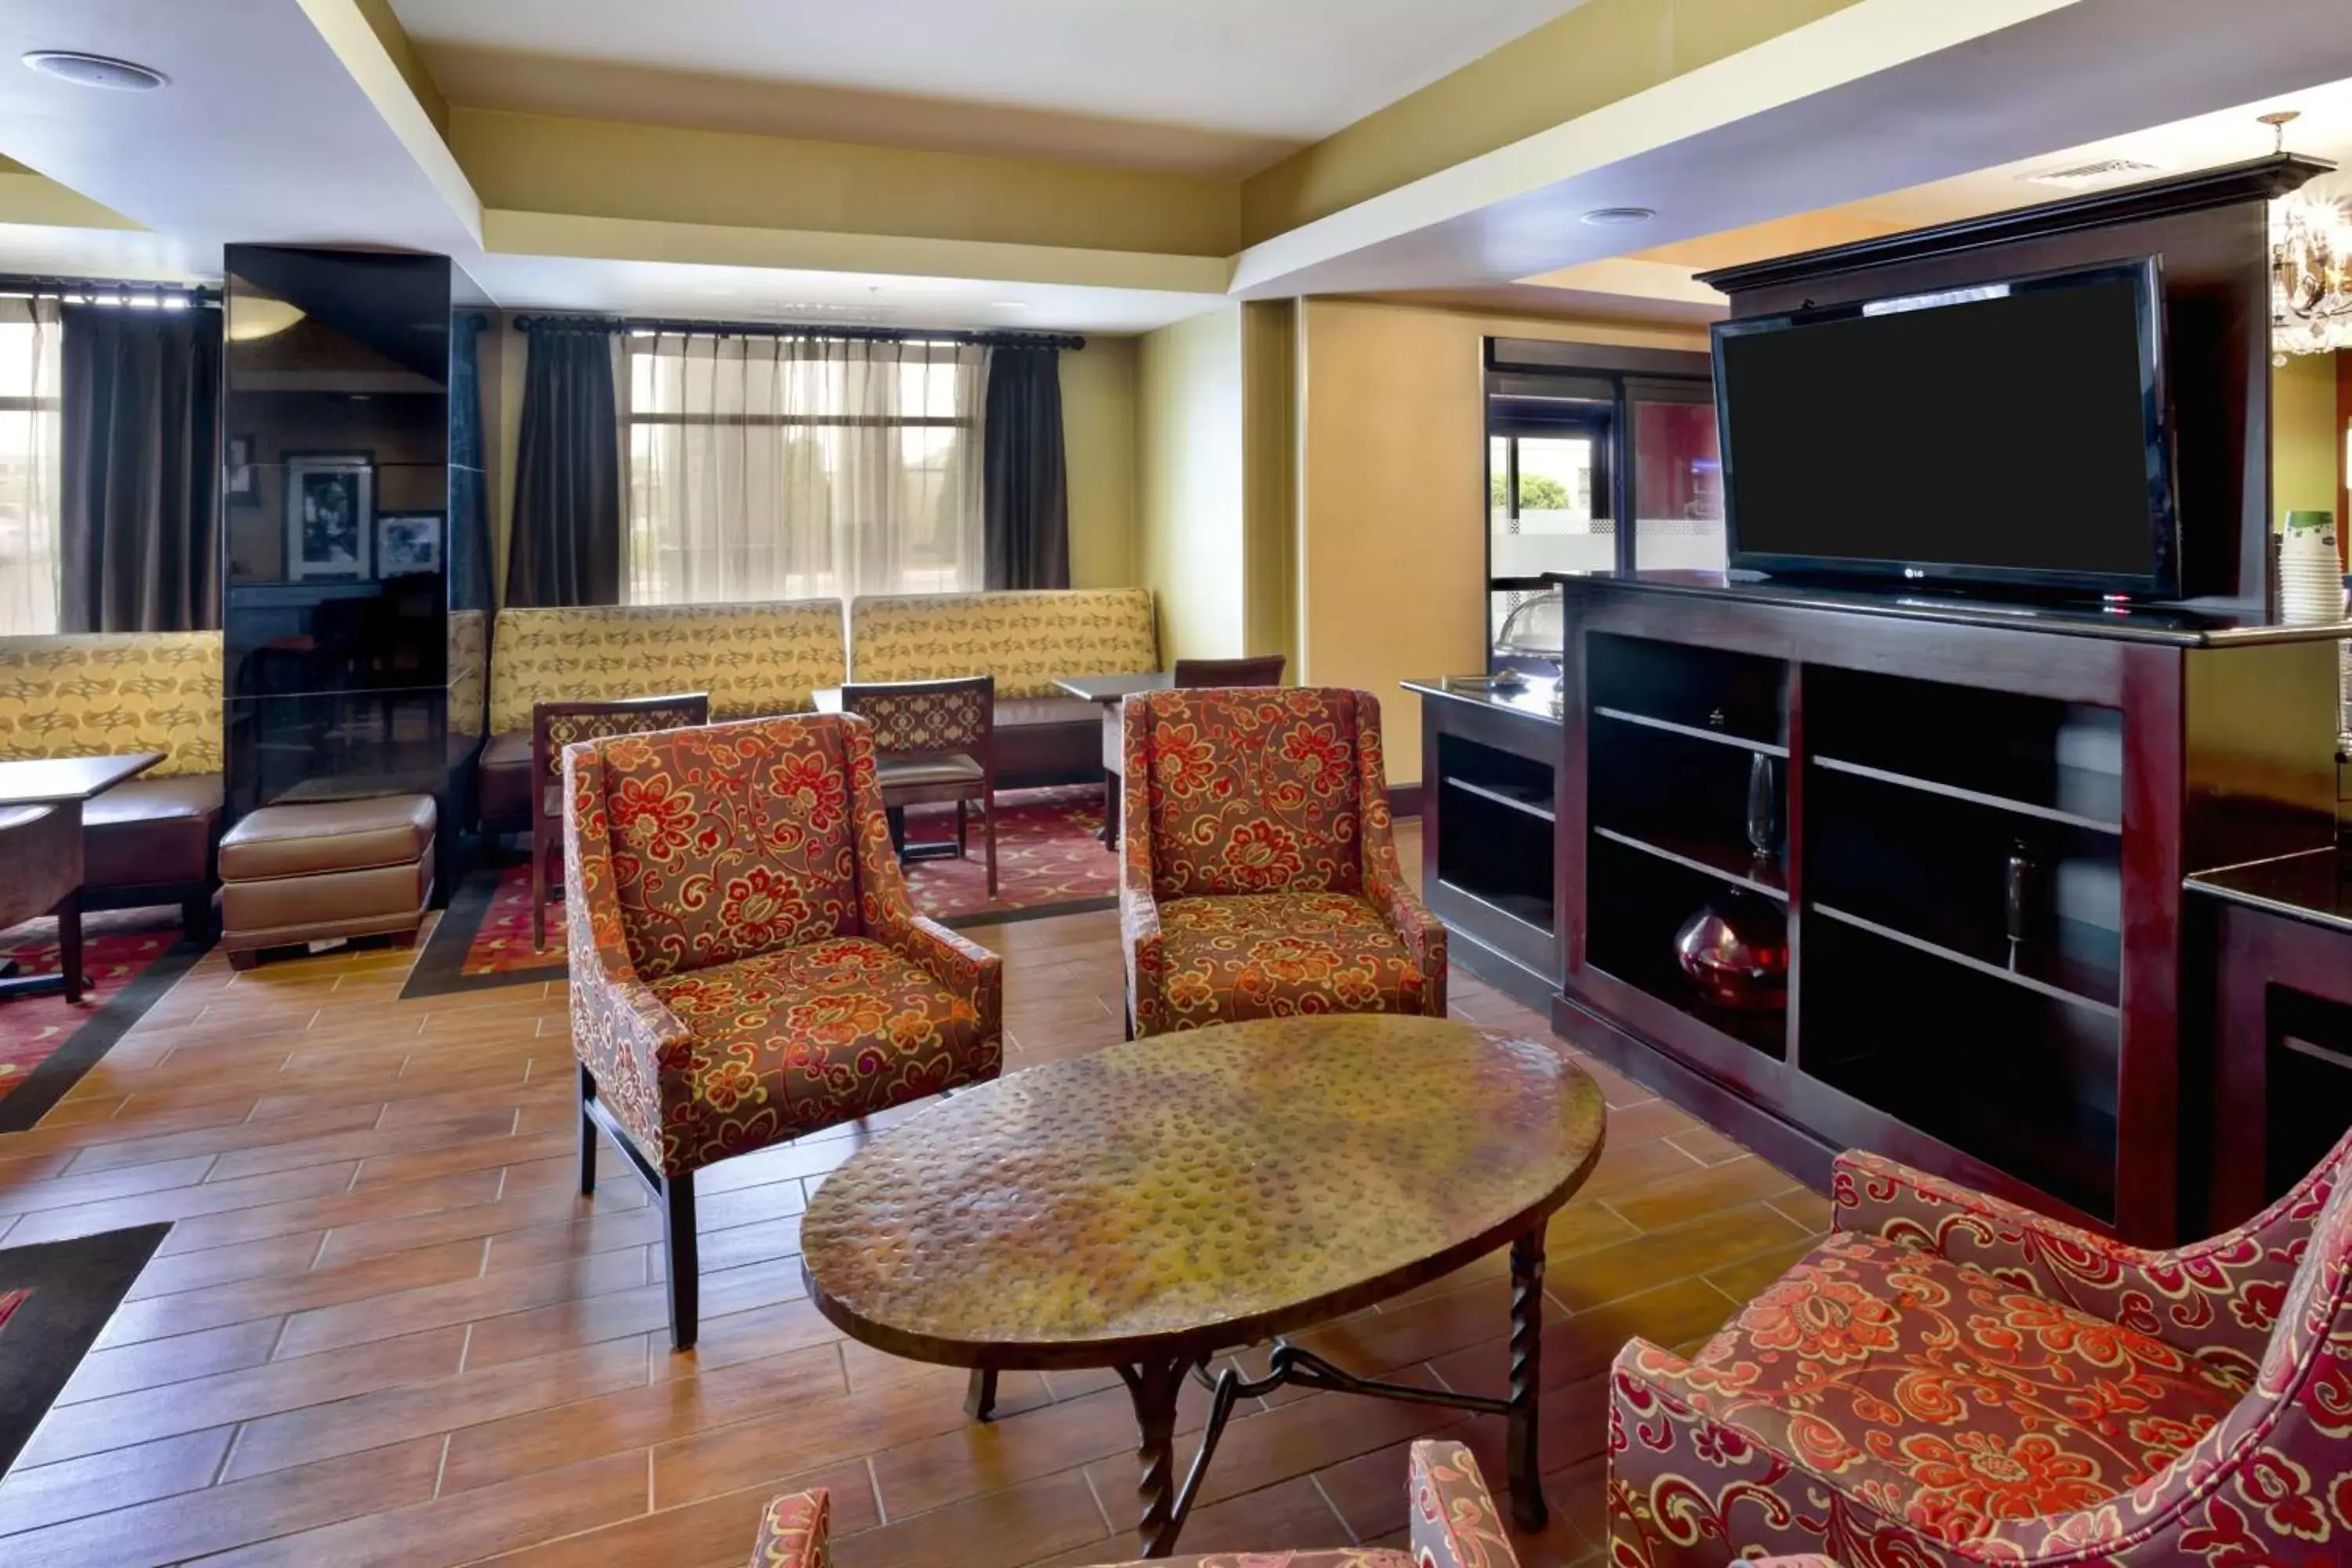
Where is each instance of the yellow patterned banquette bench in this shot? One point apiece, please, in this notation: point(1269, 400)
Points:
point(151, 840)
point(755, 660)
point(1026, 639)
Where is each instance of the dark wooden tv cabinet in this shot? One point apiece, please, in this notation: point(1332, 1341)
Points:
point(1918, 745)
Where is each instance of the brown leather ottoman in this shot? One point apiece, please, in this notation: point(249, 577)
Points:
point(309, 872)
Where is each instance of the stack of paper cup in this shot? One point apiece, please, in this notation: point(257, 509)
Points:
point(2311, 576)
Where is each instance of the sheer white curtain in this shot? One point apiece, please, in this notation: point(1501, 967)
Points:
point(766, 467)
point(29, 473)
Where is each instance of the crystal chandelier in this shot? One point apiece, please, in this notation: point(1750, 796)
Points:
point(2311, 275)
point(2311, 269)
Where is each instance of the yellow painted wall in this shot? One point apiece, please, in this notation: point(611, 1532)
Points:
point(597, 168)
point(1600, 53)
point(1270, 479)
point(2306, 443)
point(1098, 447)
point(1188, 483)
point(1392, 551)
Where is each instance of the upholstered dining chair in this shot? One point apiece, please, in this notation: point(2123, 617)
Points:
point(934, 742)
point(1951, 1379)
point(1258, 669)
point(555, 725)
point(745, 965)
point(1453, 1525)
point(1258, 877)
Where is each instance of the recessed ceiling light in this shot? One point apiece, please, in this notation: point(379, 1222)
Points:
point(1619, 217)
point(95, 70)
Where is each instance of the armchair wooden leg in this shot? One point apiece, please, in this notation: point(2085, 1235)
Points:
point(538, 895)
point(963, 834)
point(685, 1283)
point(587, 1133)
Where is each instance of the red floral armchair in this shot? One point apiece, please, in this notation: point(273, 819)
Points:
point(1454, 1526)
point(1950, 1379)
point(745, 964)
point(1259, 877)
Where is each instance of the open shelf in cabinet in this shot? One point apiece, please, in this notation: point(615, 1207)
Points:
point(1932, 872)
point(2021, 1080)
point(1649, 897)
point(2058, 761)
point(1497, 848)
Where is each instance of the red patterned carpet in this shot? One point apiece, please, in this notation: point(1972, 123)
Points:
point(117, 947)
point(1047, 860)
point(9, 1302)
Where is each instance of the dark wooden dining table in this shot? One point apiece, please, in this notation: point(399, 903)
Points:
point(65, 784)
point(1108, 691)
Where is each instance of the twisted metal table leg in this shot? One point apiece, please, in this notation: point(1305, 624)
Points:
point(1153, 1386)
point(1527, 1509)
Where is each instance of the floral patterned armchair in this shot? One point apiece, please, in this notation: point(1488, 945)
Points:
point(1258, 877)
point(1454, 1526)
point(1950, 1379)
point(745, 964)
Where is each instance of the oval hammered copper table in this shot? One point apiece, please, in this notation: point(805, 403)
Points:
point(1154, 1204)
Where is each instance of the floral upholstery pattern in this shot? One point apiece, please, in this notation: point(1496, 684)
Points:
point(1454, 1526)
point(1950, 1379)
point(1271, 955)
point(102, 695)
point(1026, 639)
point(792, 1532)
point(1260, 875)
point(745, 963)
point(755, 660)
point(792, 1041)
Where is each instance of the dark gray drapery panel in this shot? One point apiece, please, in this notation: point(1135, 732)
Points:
point(139, 524)
point(566, 544)
point(1025, 486)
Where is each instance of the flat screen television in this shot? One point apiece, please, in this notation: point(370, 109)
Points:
point(2012, 433)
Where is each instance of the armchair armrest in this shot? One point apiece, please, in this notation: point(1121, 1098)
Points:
point(792, 1532)
point(620, 1030)
point(958, 965)
point(2216, 1300)
point(1453, 1520)
point(1422, 933)
point(1138, 908)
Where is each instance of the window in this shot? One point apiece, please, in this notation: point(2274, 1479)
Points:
point(29, 461)
point(800, 467)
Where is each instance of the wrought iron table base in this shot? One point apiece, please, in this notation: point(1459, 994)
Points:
point(1155, 1385)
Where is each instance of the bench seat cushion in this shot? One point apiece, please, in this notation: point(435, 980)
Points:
point(151, 832)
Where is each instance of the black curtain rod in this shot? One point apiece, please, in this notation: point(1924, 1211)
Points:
point(616, 324)
point(19, 283)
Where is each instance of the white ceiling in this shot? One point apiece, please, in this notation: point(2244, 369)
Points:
point(1294, 69)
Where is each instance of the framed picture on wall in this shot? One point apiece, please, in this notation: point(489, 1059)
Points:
point(239, 481)
point(329, 515)
point(408, 543)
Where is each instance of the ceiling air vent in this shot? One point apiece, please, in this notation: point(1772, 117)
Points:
point(2106, 172)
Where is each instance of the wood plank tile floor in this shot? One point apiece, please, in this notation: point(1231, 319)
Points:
point(384, 1329)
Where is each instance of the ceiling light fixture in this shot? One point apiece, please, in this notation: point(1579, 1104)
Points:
point(95, 70)
point(1619, 217)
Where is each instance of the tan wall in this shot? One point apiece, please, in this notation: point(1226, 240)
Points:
point(1098, 446)
point(1188, 483)
point(1270, 479)
point(2306, 443)
point(543, 163)
point(1393, 520)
